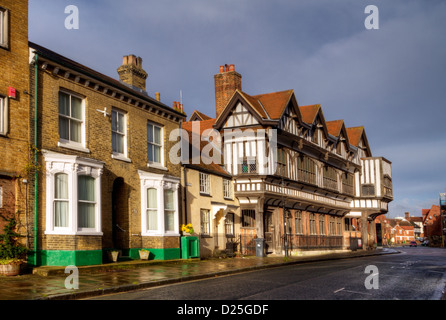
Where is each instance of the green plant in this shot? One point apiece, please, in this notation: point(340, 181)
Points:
point(32, 165)
point(11, 251)
point(187, 228)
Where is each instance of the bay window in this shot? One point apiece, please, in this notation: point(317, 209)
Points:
point(159, 205)
point(73, 188)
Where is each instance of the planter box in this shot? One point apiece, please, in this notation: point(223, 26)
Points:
point(10, 269)
point(144, 254)
point(113, 255)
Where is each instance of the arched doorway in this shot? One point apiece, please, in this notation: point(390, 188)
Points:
point(120, 214)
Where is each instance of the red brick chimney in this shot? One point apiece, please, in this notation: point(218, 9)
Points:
point(226, 82)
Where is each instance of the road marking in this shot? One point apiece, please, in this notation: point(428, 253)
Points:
point(343, 289)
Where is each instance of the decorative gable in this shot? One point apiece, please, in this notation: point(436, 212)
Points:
point(240, 116)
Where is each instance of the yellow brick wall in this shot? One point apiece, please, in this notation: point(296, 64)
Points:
point(14, 145)
point(99, 143)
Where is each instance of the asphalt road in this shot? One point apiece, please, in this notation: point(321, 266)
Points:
point(414, 274)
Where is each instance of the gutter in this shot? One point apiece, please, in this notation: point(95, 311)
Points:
point(35, 154)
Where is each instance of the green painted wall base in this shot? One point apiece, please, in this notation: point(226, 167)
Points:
point(63, 258)
point(157, 254)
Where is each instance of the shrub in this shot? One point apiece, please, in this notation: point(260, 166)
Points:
point(10, 248)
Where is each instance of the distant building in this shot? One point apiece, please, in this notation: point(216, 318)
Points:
point(417, 222)
point(395, 230)
point(432, 225)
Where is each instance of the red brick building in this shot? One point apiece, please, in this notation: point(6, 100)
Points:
point(432, 225)
point(394, 231)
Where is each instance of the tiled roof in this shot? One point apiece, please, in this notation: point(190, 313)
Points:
point(354, 135)
point(269, 105)
point(309, 112)
point(202, 116)
point(75, 66)
point(203, 125)
point(334, 127)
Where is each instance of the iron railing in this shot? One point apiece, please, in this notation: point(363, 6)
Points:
point(297, 241)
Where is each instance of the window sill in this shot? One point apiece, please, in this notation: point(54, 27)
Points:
point(72, 146)
point(120, 157)
point(146, 234)
point(205, 194)
point(74, 233)
point(157, 166)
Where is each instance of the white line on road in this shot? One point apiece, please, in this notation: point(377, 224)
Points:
point(343, 289)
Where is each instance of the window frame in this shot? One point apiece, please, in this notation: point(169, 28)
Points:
point(4, 113)
point(68, 143)
point(229, 225)
point(151, 210)
point(298, 222)
point(204, 183)
point(227, 189)
point(58, 200)
point(330, 178)
point(116, 154)
point(248, 218)
point(151, 163)
point(368, 190)
point(306, 169)
point(4, 28)
point(321, 223)
point(312, 224)
point(84, 201)
point(205, 222)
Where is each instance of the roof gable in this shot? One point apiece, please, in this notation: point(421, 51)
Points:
point(198, 116)
point(356, 135)
point(198, 130)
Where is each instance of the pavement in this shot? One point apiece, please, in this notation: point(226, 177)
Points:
point(49, 283)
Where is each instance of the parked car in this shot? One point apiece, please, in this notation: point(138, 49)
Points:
point(413, 244)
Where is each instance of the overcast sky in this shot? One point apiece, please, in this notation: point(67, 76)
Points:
point(392, 80)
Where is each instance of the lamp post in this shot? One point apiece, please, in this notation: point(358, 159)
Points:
point(442, 210)
point(285, 239)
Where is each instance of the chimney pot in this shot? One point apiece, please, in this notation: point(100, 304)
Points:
point(222, 69)
point(232, 67)
point(157, 96)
